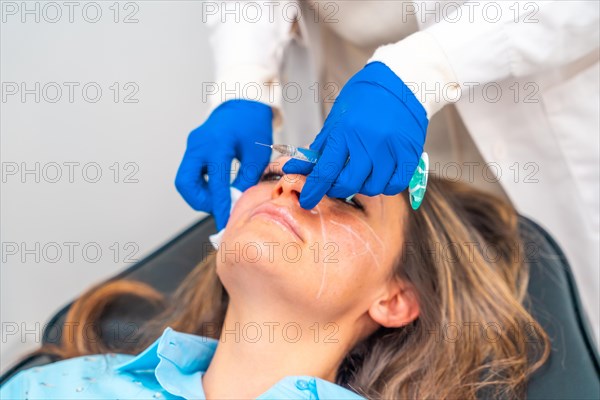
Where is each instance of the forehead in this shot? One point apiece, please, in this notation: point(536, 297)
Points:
point(392, 210)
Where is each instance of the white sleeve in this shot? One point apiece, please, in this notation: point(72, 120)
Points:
point(487, 41)
point(248, 39)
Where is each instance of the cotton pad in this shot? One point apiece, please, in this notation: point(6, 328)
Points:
point(215, 239)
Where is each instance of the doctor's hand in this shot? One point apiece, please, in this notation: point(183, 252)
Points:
point(370, 143)
point(229, 132)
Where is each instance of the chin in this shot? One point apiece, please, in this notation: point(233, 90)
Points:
point(257, 250)
point(266, 254)
point(265, 285)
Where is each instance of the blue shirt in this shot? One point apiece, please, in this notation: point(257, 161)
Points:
point(170, 368)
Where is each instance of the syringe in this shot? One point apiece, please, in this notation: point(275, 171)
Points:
point(299, 153)
point(417, 185)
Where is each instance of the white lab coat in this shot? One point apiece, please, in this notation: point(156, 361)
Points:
point(525, 85)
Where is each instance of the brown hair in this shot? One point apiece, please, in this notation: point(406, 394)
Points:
point(473, 337)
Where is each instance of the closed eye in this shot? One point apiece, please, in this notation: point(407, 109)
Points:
point(352, 202)
point(270, 176)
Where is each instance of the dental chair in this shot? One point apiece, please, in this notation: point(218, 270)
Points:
point(572, 372)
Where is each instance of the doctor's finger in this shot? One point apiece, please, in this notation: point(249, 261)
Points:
point(354, 173)
point(252, 166)
point(380, 176)
point(325, 173)
point(294, 166)
point(398, 182)
point(190, 183)
point(219, 176)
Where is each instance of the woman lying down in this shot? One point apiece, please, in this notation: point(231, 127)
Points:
point(354, 299)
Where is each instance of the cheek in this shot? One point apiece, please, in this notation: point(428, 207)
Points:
point(252, 197)
point(358, 256)
point(357, 240)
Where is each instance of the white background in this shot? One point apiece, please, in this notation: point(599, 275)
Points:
point(166, 55)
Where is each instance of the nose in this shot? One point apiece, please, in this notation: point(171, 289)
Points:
point(289, 186)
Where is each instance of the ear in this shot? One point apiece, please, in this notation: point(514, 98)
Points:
point(397, 307)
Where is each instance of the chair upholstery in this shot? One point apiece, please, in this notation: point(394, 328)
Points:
point(572, 372)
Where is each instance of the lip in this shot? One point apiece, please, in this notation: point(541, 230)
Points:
point(281, 215)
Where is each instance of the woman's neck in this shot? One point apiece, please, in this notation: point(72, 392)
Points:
point(255, 353)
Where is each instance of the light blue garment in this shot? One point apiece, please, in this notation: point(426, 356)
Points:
point(171, 368)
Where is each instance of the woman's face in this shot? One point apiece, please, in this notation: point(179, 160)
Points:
point(332, 261)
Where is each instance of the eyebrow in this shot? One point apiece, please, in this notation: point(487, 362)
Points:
point(273, 167)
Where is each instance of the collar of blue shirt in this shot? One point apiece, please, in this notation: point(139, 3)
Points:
point(177, 361)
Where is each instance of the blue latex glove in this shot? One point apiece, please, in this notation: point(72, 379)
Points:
point(376, 121)
point(229, 132)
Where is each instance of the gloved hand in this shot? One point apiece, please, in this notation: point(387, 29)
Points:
point(380, 125)
point(229, 132)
